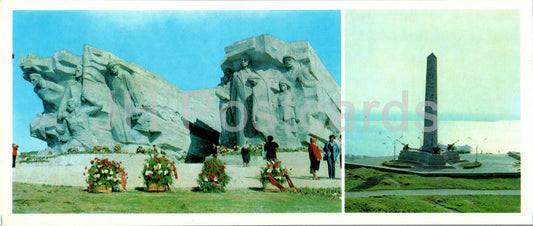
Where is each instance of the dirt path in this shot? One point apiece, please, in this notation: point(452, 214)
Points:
point(68, 170)
point(424, 192)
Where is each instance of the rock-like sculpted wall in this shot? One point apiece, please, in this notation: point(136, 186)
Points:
point(281, 88)
point(275, 88)
point(99, 99)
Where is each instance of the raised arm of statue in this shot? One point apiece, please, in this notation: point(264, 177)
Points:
point(73, 90)
point(306, 78)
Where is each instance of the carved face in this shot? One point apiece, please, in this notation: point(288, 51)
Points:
point(283, 86)
point(77, 73)
point(36, 79)
point(289, 62)
point(114, 69)
point(245, 61)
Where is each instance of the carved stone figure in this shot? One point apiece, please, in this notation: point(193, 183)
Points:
point(73, 90)
point(121, 89)
point(286, 105)
point(299, 74)
point(309, 90)
point(50, 92)
point(77, 119)
point(239, 94)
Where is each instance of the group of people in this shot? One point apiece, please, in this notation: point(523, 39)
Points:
point(269, 147)
point(331, 153)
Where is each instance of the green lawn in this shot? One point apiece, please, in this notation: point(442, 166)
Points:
point(363, 179)
point(435, 204)
point(30, 198)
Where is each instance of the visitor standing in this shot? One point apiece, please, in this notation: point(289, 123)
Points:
point(340, 148)
point(15, 153)
point(270, 148)
point(245, 152)
point(214, 150)
point(314, 157)
point(331, 152)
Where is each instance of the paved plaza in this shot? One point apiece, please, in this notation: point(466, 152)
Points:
point(493, 165)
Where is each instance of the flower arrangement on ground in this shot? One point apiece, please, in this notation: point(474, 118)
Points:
point(103, 172)
point(100, 149)
point(276, 175)
point(274, 170)
point(117, 148)
point(158, 171)
point(213, 177)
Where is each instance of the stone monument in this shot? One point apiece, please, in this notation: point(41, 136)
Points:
point(431, 137)
point(429, 154)
point(268, 87)
point(275, 88)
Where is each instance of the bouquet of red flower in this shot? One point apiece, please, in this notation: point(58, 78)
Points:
point(213, 177)
point(275, 170)
point(159, 170)
point(105, 173)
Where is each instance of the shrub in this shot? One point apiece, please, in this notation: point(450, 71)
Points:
point(213, 177)
point(329, 193)
point(471, 165)
point(105, 172)
point(72, 150)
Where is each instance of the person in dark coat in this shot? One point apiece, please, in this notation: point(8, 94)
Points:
point(270, 148)
point(213, 150)
point(314, 157)
point(245, 152)
point(331, 152)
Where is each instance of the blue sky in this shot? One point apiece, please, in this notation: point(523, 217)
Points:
point(184, 47)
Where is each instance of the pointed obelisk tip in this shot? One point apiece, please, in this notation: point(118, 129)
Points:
point(432, 55)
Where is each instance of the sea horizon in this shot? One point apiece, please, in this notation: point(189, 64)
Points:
point(493, 137)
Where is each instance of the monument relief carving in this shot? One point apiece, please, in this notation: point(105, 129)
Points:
point(267, 87)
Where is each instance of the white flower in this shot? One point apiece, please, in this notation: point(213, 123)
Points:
point(111, 172)
point(205, 179)
point(166, 172)
point(97, 175)
point(148, 172)
point(215, 179)
point(158, 166)
point(160, 171)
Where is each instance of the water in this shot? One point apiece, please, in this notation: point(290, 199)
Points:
point(490, 137)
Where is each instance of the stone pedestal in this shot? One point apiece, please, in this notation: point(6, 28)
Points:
point(422, 158)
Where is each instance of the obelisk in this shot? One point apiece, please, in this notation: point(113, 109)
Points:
point(430, 136)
